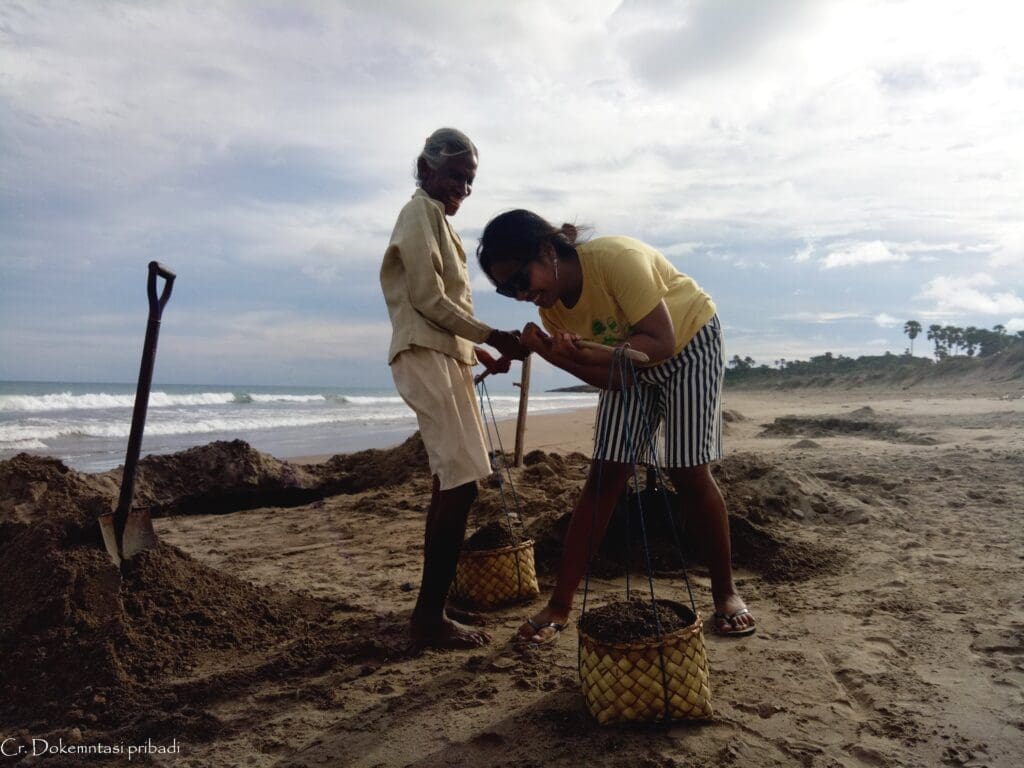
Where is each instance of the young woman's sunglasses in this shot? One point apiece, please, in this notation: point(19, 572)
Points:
point(516, 284)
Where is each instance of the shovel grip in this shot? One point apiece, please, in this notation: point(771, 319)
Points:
point(157, 304)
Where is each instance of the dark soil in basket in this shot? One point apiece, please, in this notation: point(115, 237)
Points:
point(633, 620)
point(494, 535)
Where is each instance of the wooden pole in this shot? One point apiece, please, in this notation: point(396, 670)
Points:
point(524, 396)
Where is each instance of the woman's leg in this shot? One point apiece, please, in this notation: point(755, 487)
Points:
point(708, 518)
point(440, 391)
point(589, 519)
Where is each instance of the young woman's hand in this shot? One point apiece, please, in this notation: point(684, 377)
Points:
point(564, 343)
point(534, 339)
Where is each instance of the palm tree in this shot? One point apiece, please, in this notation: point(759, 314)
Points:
point(935, 334)
point(912, 328)
point(971, 340)
point(955, 338)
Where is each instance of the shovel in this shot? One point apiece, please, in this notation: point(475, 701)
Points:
point(127, 531)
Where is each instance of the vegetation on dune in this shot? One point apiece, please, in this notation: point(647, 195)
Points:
point(957, 351)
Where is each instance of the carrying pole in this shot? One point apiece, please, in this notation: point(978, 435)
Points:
point(524, 396)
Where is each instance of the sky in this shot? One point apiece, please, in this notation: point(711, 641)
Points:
point(825, 170)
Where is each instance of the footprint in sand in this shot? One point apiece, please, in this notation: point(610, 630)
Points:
point(882, 646)
point(1001, 647)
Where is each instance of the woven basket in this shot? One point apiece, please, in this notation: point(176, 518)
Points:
point(624, 682)
point(496, 576)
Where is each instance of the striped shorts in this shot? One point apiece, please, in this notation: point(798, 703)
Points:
point(674, 413)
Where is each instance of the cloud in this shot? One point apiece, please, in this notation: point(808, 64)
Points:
point(263, 150)
point(804, 254)
point(968, 295)
point(862, 254)
point(820, 318)
point(668, 41)
point(1009, 251)
point(887, 321)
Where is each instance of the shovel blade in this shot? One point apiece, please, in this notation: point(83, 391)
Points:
point(138, 533)
point(109, 532)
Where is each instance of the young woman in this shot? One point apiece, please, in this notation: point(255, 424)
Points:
point(617, 290)
point(426, 287)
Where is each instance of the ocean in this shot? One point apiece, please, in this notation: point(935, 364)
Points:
point(87, 425)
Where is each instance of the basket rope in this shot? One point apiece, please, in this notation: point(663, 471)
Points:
point(484, 396)
point(490, 567)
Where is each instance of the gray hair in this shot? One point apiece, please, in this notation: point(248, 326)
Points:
point(439, 146)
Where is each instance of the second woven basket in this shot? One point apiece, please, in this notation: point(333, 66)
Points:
point(493, 577)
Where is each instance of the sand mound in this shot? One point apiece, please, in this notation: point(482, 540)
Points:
point(761, 498)
point(35, 488)
point(841, 426)
point(355, 472)
point(220, 477)
point(64, 600)
point(217, 478)
point(130, 632)
point(781, 557)
point(805, 443)
point(762, 491)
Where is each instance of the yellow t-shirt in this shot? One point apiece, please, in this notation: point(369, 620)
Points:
point(623, 280)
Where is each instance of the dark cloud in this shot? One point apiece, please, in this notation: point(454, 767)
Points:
point(674, 40)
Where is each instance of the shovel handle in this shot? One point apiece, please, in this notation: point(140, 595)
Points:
point(157, 304)
point(156, 308)
point(631, 354)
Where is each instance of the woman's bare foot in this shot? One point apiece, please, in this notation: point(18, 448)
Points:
point(543, 627)
point(732, 617)
point(447, 634)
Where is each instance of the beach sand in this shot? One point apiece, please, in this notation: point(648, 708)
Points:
point(877, 539)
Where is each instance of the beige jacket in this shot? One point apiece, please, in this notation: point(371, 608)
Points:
point(426, 284)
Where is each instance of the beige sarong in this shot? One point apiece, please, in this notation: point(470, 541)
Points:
point(440, 391)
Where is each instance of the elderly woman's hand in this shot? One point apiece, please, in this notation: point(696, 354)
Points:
point(508, 343)
point(501, 365)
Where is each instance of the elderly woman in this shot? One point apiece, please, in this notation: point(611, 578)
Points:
point(617, 290)
point(426, 287)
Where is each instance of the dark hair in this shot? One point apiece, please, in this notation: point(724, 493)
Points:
point(439, 146)
point(518, 235)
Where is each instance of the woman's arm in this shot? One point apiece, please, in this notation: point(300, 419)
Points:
point(653, 335)
point(417, 243)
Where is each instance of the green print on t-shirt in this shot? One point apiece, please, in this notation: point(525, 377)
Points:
point(609, 334)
